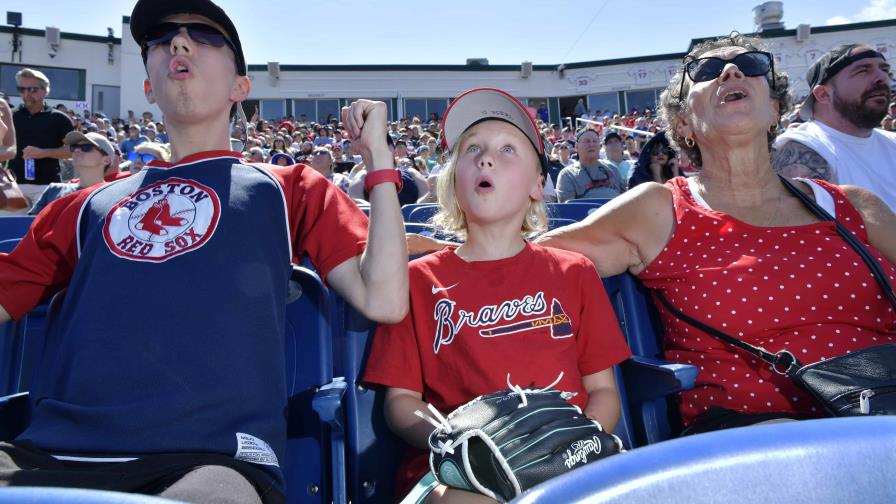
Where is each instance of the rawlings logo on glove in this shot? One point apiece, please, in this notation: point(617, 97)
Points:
point(504, 443)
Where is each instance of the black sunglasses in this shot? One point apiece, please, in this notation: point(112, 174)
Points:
point(30, 89)
point(82, 147)
point(163, 33)
point(751, 64)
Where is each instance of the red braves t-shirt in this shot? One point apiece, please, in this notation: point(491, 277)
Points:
point(471, 324)
point(800, 288)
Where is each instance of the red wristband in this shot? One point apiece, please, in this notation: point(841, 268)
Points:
point(381, 177)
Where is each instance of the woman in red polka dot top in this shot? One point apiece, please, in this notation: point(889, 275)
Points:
point(735, 250)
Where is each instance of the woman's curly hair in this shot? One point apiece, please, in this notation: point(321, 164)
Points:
point(672, 104)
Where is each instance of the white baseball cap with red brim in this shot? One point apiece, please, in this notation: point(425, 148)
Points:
point(481, 104)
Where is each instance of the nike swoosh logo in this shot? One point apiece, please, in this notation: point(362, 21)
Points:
point(440, 289)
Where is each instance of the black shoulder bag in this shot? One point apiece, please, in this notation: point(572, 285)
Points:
point(858, 383)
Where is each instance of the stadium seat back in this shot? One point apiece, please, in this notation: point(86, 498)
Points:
point(846, 459)
point(599, 201)
point(572, 210)
point(555, 222)
point(309, 367)
point(372, 451)
point(44, 495)
point(7, 246)
point(649, 380)
point(407, 210)
point(14, 226)
point(422, 213)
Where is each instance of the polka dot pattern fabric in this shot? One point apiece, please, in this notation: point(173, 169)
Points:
point(800, 288)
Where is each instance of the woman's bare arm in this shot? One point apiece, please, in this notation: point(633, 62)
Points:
point(626, 234)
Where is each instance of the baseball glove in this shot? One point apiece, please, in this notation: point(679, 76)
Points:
point(504, 443)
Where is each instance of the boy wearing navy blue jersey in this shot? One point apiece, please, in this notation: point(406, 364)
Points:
point(181, 391)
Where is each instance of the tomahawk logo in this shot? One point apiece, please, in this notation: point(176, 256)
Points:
point(162, 220)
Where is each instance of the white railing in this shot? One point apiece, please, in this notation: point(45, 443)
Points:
point(616, 127)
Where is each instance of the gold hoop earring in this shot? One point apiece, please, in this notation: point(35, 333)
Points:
point(690, 142)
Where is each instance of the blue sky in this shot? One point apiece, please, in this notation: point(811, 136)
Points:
point(449, 32)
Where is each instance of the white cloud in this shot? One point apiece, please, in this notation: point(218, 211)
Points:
point(876, 10)
point(837, 20)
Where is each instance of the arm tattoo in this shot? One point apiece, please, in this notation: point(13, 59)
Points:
point(794, 159)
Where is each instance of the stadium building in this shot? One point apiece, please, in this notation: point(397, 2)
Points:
point(105, 73)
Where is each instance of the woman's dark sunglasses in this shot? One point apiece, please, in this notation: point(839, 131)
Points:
point(163, 33)
point(751, 64)
point(82, 147)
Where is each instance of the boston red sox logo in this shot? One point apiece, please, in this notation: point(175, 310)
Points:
point(158, 218)
point(162, 220)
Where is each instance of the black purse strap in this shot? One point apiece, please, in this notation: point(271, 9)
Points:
point(783, 361)
point(850, 239)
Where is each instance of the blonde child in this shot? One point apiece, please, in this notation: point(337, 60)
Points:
point(497, 304)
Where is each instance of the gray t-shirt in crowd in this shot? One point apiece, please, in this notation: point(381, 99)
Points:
point(601, 180)
point(52, 193)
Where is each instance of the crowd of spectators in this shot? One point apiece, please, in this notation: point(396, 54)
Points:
point(630, 147)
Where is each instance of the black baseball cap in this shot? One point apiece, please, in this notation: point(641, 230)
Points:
point(611, 135)
point(148, 13)
point(829, 65)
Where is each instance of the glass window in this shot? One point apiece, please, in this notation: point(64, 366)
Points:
point(306, 107)
point(423, 108)
point(65, 83)
point(603, 104)
point(641, 99)
point(415, 107)
point(325, 108)
point(273, 109)
point(437, 106)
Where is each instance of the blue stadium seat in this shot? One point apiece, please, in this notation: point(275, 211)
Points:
point(648, 379)
point(422, 213)
point(12, 343)
point(555, 222)
point(418, 228)
point(313, 467)
point(14, 226)
point(6, 246)
point(599, 201)
point(572, 210)
point(43, 495)
point(371, 450)
point(827, 460)
point(407, 210)
point(21, 345)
